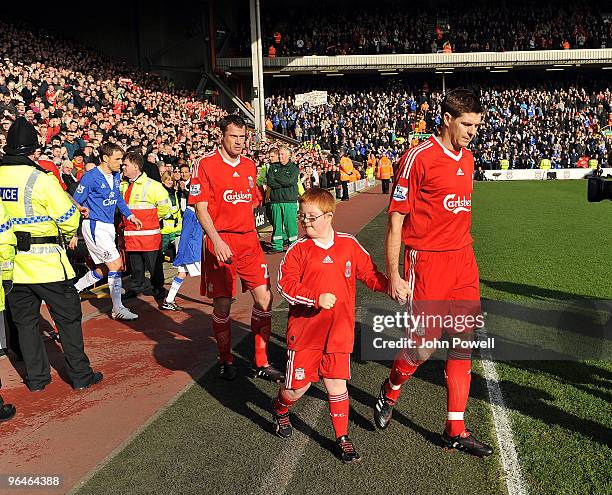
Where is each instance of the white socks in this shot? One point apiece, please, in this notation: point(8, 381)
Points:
point(114, 285)
point(87, 280)
point(176, 285)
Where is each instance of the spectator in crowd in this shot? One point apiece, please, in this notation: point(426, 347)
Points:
point(485, 27)
point(183, 186)
point(532, 118)
point(69, 179)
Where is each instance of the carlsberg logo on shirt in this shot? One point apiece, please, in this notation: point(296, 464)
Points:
point(234, 197)
point(457, 204)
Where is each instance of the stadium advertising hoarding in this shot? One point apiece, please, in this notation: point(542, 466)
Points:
point(538, 174)
point(261, 220)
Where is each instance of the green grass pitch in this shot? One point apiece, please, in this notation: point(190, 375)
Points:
point(533, 240)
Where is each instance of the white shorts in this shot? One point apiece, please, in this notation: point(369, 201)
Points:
point(102, 249)
point(193, 269)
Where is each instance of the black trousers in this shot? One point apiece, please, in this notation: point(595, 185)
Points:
point(154, 264)
point(65, 307)
point(385, 185)
point(345, 194)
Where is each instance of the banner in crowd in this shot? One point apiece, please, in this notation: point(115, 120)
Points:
point(313, 98)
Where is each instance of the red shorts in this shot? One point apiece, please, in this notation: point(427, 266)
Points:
point(445, 290)
point(309, 365)
point(248, 262)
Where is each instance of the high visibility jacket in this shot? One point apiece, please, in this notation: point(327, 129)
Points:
point(7, 249)
point(385, 169)
point(370, 172)
point(347, 171)
point(149, 201)
point(174, 223)
point(36, 203)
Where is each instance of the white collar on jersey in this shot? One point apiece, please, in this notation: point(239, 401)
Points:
point(231, 164)
point(325, 246)
point(448, 152)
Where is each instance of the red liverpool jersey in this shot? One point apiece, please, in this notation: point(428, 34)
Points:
point(229, 189)
point(310, 269)
point(433, 188)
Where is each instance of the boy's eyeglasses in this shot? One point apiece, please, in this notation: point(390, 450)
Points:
point(305, 219)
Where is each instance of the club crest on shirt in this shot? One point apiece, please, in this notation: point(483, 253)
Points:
point(299, 374)
point(347, 269)
point(400, 193)
point(251, 182)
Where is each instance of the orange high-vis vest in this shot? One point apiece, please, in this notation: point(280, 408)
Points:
point(346, 169)
point(271, 51)
point(385, 169)
point(149, 202)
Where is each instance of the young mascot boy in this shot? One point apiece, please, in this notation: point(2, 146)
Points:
point(317, 278)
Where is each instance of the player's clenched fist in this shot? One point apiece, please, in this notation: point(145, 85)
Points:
point(327, 300)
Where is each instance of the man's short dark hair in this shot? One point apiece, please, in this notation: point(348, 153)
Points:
point(184, 165)
point(134, 157)
point(107, 149)
point(459, 101)
point(232, 119)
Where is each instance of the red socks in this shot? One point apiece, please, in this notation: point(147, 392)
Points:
point(339, 412)
point(282, 403)
point(458, 378)
point(403, 368)
point(261, 326)
point(222, 329)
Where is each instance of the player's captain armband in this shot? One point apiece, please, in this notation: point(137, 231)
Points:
point(400, 193)
point(80, 189)
point(194, 189)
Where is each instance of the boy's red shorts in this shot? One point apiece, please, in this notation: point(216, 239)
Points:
point(309, 365)
point(444, 284)
point(248, 262)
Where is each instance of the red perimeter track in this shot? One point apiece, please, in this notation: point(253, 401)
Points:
point(146, 363)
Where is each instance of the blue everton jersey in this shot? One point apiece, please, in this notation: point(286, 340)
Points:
point(95, 193)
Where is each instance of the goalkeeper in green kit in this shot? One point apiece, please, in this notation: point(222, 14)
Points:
point(282, 179)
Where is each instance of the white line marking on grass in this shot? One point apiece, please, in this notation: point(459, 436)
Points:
point(277, 477)
point(514, 477)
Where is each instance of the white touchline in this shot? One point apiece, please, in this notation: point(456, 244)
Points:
point(514, 477)
point(276, 478)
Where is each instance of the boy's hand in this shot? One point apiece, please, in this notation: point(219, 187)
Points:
point(398, 287)
point(327, 300)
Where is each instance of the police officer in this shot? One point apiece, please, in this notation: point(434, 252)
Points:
point(42, 216)
point(7, 255)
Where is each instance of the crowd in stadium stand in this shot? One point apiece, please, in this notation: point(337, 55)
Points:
point(77, 98)
point(388, 27)
point(560, 121)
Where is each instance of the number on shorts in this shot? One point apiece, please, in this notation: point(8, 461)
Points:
point(265, 267)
